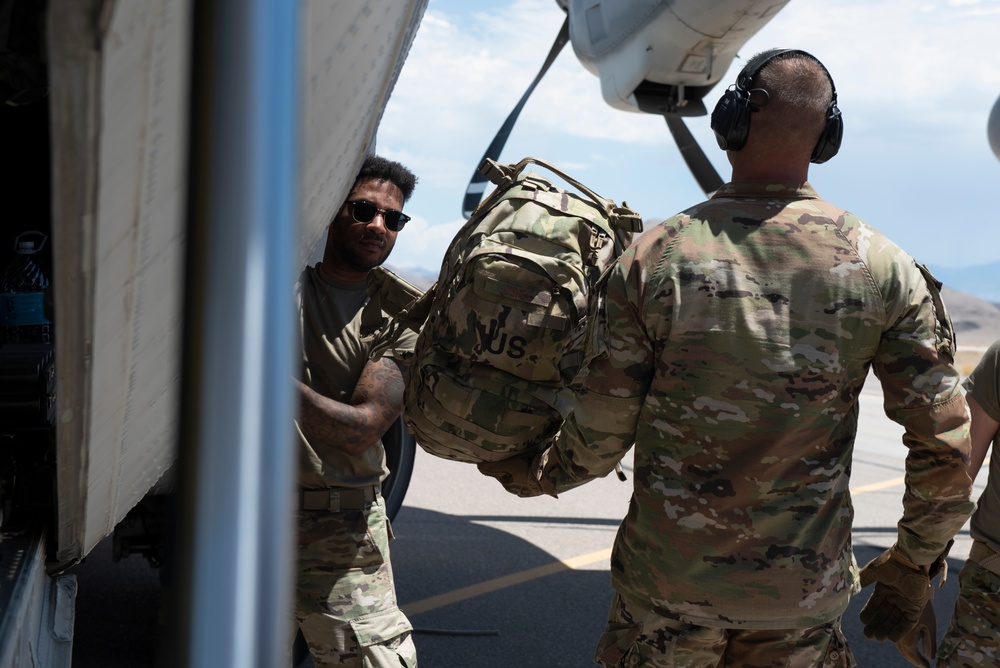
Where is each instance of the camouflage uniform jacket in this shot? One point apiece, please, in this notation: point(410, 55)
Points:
point(731, 348)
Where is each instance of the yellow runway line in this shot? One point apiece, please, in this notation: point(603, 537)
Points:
point(496, 584)
point(875, 486)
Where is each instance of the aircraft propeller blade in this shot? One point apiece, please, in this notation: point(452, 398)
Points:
point(703, 170)
point(477, 185)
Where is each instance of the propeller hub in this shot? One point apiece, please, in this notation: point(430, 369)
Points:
point(993, 129)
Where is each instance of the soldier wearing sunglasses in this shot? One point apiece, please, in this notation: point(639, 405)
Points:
point(345, 597)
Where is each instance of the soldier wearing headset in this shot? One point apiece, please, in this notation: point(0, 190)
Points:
point(735, 339)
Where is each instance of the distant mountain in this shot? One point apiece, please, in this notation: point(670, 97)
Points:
point(981, 280)
point(976, 321)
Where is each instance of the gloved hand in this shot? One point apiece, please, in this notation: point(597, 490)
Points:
point(514, 473)
point(923, 634)
point(520, 474)
point(902, 590)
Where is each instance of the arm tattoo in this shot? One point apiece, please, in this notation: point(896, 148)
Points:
point(354, 427)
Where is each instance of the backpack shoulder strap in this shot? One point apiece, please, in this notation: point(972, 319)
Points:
point(394, 304)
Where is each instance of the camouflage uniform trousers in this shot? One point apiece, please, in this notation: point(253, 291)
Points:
point(345, 598)
point(636, 637)
point(973, 637)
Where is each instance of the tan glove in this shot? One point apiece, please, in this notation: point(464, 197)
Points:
point(924, 634)
point(514, 473)
point(520, 474)
point(902, 589)
point(900, 608)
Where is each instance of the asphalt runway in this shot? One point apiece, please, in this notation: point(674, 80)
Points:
point(490, 580)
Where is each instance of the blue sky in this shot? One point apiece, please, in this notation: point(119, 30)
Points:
point(916, 80)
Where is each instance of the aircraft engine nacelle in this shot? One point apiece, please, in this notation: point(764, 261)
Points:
point(663, 56)
point(993, 129)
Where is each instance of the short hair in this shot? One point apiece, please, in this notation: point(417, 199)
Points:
point(801, 82)
point(377, 168)
point(799, 94)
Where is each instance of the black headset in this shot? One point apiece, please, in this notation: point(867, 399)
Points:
point(731, 117)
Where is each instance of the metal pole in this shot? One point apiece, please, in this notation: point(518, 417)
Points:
point(236, 541)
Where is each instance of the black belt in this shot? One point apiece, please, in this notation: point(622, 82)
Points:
point(336, 499)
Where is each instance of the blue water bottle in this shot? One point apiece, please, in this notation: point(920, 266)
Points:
point(22, 295)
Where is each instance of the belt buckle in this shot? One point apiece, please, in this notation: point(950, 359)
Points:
point(334, 501)
point(315, 499)
point(337, 500)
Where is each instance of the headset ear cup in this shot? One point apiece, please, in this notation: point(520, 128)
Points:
point(731, 120)
point(731, 117)
point(829, 141)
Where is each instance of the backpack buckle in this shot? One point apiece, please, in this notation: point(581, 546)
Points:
point(624, 218)
point(494, 172)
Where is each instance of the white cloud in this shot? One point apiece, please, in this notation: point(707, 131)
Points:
point(420, 245)
point(916, 81)
point(931, 61)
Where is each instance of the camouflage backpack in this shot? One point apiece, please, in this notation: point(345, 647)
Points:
point(502, 329)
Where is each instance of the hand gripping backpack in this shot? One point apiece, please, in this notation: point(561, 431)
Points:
point(502, 330)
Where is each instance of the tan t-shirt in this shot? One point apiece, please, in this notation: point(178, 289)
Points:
point(333, 357)
point(984, 386)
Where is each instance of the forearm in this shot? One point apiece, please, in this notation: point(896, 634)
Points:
point(983, 431)
point(938, 500)
point(582, 452)
point(329, 424)
point(353, 426)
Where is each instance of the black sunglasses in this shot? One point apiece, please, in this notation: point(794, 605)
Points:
point(364, 211)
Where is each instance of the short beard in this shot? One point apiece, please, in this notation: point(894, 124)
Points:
point(358, 263)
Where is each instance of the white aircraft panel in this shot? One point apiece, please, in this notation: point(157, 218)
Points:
point(119, 142)
point(353, 56)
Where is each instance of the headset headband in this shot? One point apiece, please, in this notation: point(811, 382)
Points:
point(731, 117)
point(746, 77)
